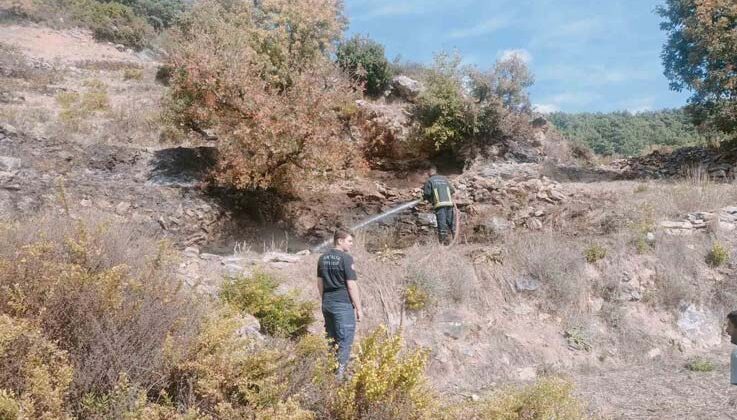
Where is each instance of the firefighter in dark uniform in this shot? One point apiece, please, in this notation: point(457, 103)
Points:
point(439, 192)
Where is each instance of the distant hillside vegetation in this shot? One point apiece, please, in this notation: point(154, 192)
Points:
point(625, 133)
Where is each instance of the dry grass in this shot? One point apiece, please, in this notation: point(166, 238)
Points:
point(105, 293)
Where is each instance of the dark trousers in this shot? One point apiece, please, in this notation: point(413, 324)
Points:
point(340, 326)
point(446, 223)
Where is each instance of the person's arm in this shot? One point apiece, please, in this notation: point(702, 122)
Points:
point(355, 298)
point(427, 191)
point(320, 286)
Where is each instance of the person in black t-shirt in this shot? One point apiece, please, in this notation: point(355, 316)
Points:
point(341, 303)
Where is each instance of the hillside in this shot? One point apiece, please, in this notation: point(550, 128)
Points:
point(118, 244)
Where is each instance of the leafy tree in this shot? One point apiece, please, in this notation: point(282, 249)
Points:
point(701, 55)
point(508, 80)
point(259, 75)
point(624, 133)
point(364, 59)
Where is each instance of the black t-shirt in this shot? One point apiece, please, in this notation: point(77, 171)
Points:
point(335, 268)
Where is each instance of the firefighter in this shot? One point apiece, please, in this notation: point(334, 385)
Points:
point(439, 192)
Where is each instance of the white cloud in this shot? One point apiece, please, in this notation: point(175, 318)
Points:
point(482, 28)
point(392, 9)
point(574, 98)
point(521, 53)
point(545, 108)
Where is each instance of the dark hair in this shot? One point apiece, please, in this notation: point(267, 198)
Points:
point(732, 317)
point(340, 234)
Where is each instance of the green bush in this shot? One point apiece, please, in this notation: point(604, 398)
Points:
point(386, 384)
point(548, 398)
point(700, 365)
point(363, 58)
point(718, 255)
point(114, 22)
point(280, 315)
point(416, 298)
point(447, 118)
point(595, 253)
point(33, 369)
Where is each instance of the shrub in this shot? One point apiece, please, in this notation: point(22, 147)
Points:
point(386, 384)
point(595, 253)
point(415, 298)
point(280, 315)
point(133, 74)
point(226, 375)
point(112, 21)
point(267, 89)
point(447, 119)
point(700, 365)
point(363, 58)
point(34, 373)
point(549, 398)
point(96, 288)
point(718, 255)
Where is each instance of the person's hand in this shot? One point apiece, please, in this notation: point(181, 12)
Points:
point(359, 315)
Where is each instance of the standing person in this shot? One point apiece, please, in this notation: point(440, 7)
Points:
point(439, 192)
point(732, 331)
point(341, 303)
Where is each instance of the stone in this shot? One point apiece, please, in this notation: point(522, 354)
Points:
point(700, 326)
point(407, 88)
point(191, 251)
point(496, 225)
point(650, 238)
point(122, 207)
point(9, 165)
point(427, 219)
point(676, 225)
point(280, 257)
point(303, 253)
point(526, 284)
point(249, 327)
point(233, 270)
point(534, 224)
point(527, 374)
point(9, 129)
point(653, 353)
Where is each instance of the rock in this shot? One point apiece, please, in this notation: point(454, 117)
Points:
point(122, 207)
point(191, 251)
point(495, 226)
point(303, 253)
point(534, 224)
point(249, 327)
point(427, 219)
point(233, 270)
point(9, 165)
point(280, 257)
point(526, 284)
point(527, 374)
point(653, 353)
point(475, 397)
point(407, 88)
point(650, 238)
point(700, 326)
point(8, 129)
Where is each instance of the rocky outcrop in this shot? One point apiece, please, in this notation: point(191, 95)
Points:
point(406, 88)
point(724, 220)
point(696, 162)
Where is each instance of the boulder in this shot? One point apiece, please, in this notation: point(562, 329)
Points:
point(700, 326)
point(407, 88)
point(9, 165)
point(526, 284)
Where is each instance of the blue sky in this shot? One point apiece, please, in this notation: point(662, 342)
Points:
point(587, 55)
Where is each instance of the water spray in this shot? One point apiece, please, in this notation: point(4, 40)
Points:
point(370, 220)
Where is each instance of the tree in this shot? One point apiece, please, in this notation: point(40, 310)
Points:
point(260, 76)
point(364, 59)
point(701, 55)
point(507, 80)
